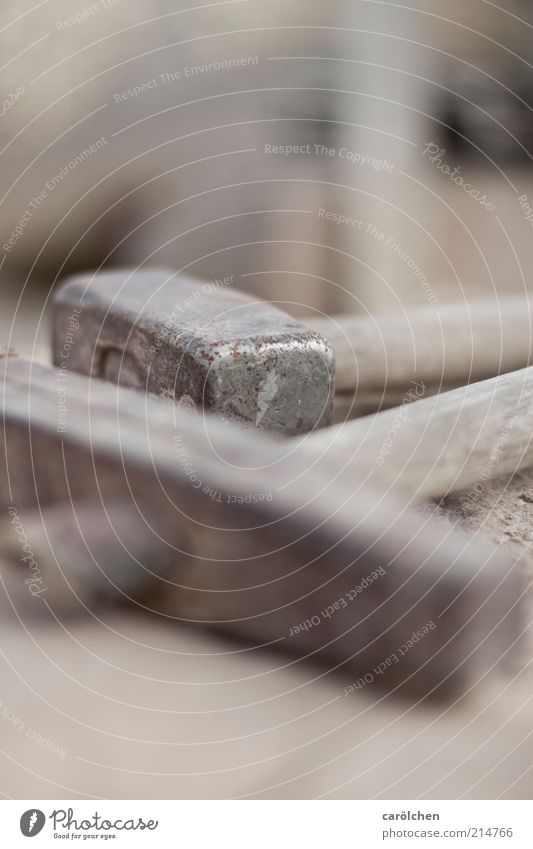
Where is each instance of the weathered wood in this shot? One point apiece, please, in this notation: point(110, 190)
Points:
point(448, 344)
point(83, 555)
point(367, 401)
point(440, 444)
point(268, 541)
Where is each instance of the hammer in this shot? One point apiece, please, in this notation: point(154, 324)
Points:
point(351, 578)
point(438, 445)
point(209, 345)
point(206, 345)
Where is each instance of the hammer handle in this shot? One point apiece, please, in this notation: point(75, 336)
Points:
point(447, 442)
point(289, 569)
point(451, 344)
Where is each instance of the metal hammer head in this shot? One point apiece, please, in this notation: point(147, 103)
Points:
point(205, 344)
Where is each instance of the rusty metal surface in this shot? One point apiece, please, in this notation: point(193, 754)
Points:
point(202, 343)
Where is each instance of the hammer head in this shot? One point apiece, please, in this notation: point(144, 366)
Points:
point(204, 344)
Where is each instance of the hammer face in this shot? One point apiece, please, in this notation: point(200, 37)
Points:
point(281, 383)
point(208, 347)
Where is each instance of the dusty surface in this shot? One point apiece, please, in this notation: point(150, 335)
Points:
point(134, 709)
point(502, 510)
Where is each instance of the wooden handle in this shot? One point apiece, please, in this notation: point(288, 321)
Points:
point(448, 442)
point(271, 548)
point(72, 556)
point(452, 344)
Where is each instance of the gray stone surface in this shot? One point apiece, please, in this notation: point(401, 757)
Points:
point(201, 343)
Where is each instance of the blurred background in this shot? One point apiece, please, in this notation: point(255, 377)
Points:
point(224, 133)
point(346, 156)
